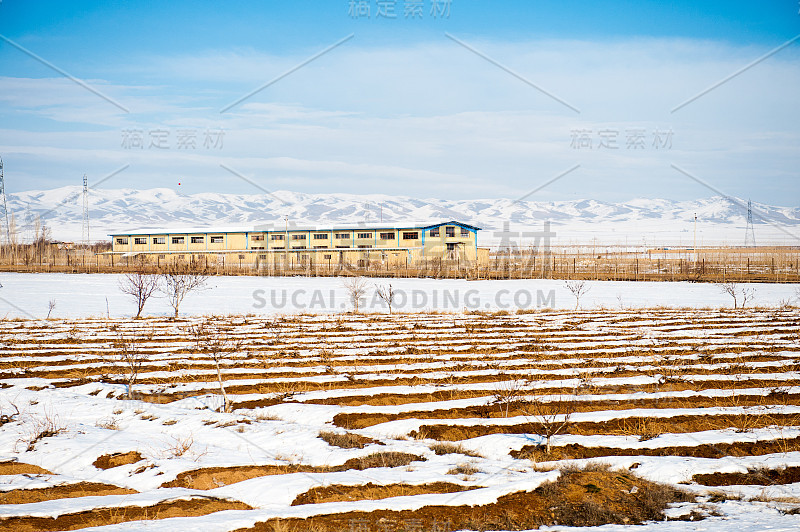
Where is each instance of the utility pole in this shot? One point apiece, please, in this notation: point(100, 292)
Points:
point(85, 228)
point(5, 205)
point(286, 245)
point(694, 245)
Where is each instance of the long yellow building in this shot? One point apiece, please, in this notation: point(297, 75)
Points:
point(352, 243)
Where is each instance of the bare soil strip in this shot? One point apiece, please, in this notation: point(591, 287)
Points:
point(644, 427)
point(214, 477)
point(718, 450)
point(80, 489)
point(19, 468)
point(754, 477)
point(370, 491)
point(110, 516)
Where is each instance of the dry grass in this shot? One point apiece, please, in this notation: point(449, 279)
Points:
point(442, 448)
point(345, 440)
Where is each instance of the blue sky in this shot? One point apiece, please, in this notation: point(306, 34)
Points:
point(401, 108)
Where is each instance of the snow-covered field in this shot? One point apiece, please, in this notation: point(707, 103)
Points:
point(77, 296)
point(364, 416)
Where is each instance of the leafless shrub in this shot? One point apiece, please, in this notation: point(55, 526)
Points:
point(51, 305)
point(214, 340)
point(179, 280)
point(45, 426)
point(507, 394)
point(738, 293)
point(8, 418)
point(183, 446)
point(132, 356)
point(356, 288)
point(387, 294)
point(139, 286)
point(550, 416)
point(110, 423)
point(578, 289)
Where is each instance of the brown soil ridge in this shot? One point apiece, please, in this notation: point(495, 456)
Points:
point(574, 451)
point(108, 461)
point(370, 491)
point(18, 468)
point(214, 477)
point(577, 498)
point(646, 427)
point(66, 491)
point(107, 516)
point(359, 420)
point(754, 477)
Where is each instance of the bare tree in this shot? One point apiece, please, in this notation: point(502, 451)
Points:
point(178, 280)
point(737, 292)
point(386, 293)
point(132, 357)
point(578, 289)
point(51, 305)
point(215, 340)
point(140, 286)
point(356, 289)
point(550, 416)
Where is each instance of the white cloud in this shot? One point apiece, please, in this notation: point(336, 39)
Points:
point(434, 120)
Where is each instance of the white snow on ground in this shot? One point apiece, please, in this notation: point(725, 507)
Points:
point(27, 295)
point(92, 424)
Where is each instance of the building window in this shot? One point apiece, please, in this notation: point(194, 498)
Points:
point(281, 247)
point(411, 236)
point(276, 237)
point(122, 241)
point(464, 232)
point(178, 240)
point(162, 256)
point(298, 237)
point(328, 257)
point(198, 239)
point(140, 240)
point(217, 239)
point(450, 231)
point(365, 246)
point(262, 257)
point(159, 240)
point(298, 247)
point(387, 236)
point(320, 247)
point(320, 236)
point(258, 237)
point(343, 247)
point(434, 231)
point(241, 257)
point(342, 235)
point(258, 247)
point(364, 235)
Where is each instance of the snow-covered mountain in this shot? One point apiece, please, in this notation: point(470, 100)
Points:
point(652, 221)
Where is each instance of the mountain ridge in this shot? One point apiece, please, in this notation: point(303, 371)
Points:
point(117, 210)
